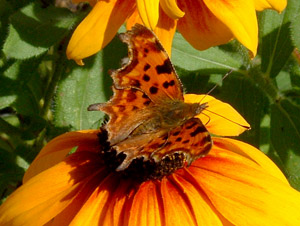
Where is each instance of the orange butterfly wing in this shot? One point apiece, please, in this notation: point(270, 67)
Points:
point(192, 139)
point(145, 91)
point(148, 58)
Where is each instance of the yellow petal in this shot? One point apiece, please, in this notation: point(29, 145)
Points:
point(149, 12)
point(243, 192)
point(240, 17)
point(219, 118)
point(45, 195)
point(58, 148)
point(165, 31)
point(278, 5)
point(252, 153)
point(200, 27)
point(98, 28)
point(171, 9)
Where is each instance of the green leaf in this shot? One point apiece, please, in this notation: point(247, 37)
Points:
point(249, 100)
point(14, 89)
point(33, 30)
point(285, 138)
point(211, 60)
point(295, 24)
point(276, 44)
point(84, 86)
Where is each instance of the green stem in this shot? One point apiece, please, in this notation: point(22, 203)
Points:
point(52, 86)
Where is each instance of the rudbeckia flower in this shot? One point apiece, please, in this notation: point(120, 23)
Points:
point(235, 184)
point(203, 23)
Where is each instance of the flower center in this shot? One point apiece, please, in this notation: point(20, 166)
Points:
point(139, 169)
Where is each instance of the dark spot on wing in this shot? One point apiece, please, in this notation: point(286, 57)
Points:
point(147, 102)
point(154, 146)
point(146, 50)
point(192, 125)
point(145, 96)
point(185, 141)
point(121, 108)
point(146, 78)
point(136, 83)
point(172, 83)
point(134, 108)
point(166, 67)
point(153, 90)
point(131, 97)
point(166, 85)
point(147, 67)
point(178, 139)
point(199, 129)
point(176, 133)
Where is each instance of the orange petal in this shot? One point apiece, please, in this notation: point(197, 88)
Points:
point(47, 194)
point(243, 192)
point(133, 19)
point(219, 118)
point(165, 31)
point(240, 17)
point(171, 9)
point(149, 12)
point(278, 5)
point(94, 209)
point(200, 27)
point(58, 148)
point(98, 28)
point(181, 193)
point(252, 153)
point(146, 208)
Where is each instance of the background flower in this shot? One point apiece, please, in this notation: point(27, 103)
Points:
point(203, 23)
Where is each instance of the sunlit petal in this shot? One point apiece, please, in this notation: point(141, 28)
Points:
point(219, 118)
point(252, 153)
point(147, 200)
point(243, 191)
point(58, 148)
point(94, 209)
point(200, 27)
point(48, 193)
point(133, 19)
point(165, 31)
point(278, 5)
point(240, 17)
point(194, 199)
point(149, 12)
point(98, 28)
point(171, 9)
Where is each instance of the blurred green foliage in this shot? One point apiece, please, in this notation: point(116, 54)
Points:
point(42, 94)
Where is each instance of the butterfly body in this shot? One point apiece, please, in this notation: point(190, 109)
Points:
point(149, 119)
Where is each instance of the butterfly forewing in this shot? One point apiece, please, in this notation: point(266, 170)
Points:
point(150, 68)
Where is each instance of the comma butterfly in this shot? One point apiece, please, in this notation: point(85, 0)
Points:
point(149, 119)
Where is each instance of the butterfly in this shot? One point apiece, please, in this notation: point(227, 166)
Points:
point(149, 119)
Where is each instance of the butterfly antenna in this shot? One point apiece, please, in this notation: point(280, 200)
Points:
point(246, 127)
point(207, 117)
point(215, 86)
